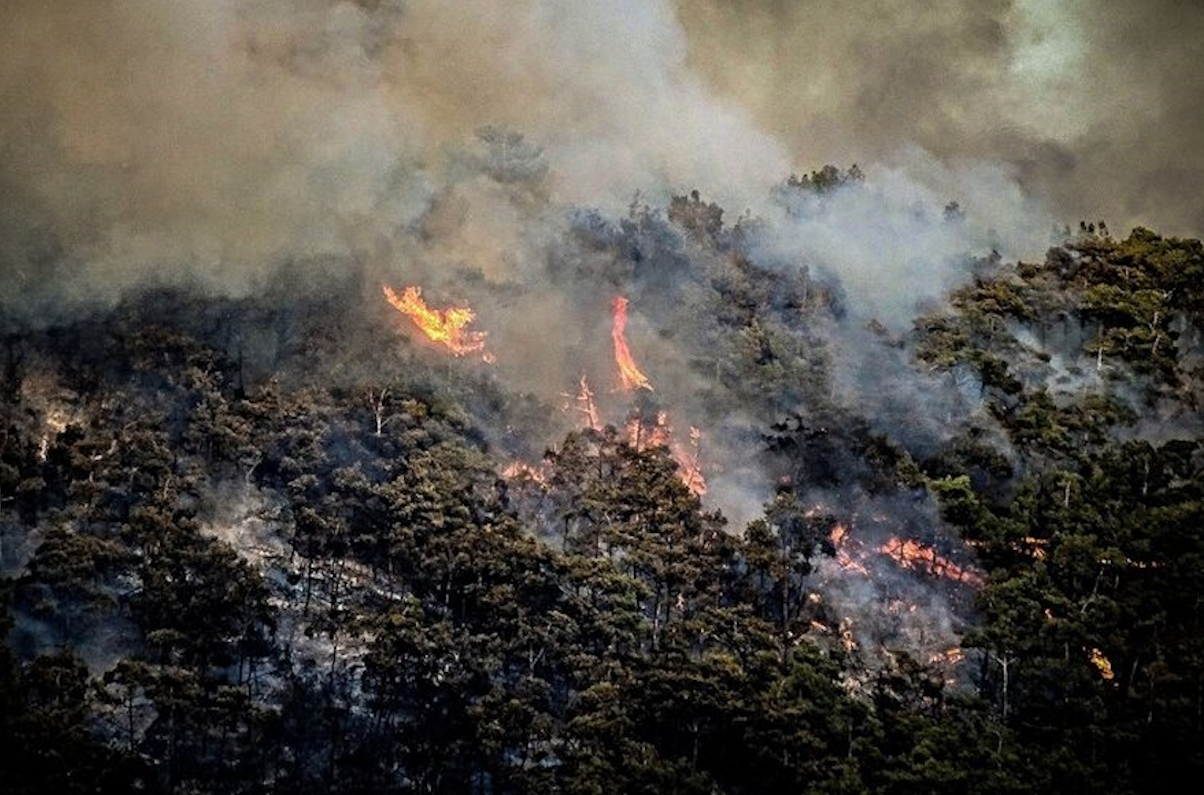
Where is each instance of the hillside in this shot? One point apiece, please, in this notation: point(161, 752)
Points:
point(667, 512)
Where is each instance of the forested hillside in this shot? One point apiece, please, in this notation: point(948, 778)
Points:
point(287, 543)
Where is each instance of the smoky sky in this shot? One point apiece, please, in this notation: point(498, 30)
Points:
point(144, 140)
point(1097, 106)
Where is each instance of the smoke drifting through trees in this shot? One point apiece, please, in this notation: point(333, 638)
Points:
point(209, 144)
point(1093, 105)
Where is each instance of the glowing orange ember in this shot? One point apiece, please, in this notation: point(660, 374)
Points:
point(1102, 663)
point(646, 435)
point(688, 466)
point(846, 634)
point(629, 374)
point(843, 558)
point(914, 555)
point(951, 656)
point(1035, 546)
point(445, 326)
point(521, 471)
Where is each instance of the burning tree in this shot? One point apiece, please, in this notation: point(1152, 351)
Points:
point(630, 376)
point(448, 327)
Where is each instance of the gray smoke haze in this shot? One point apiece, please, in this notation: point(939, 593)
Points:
point(209, 144)
point(888, 241)
point(1095, 105)
point(150, 141)
point(143, 140)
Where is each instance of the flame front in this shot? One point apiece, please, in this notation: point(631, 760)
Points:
point(914, 555)
point(522, 471)
point(629, 374)
point(644, 435)
point(688, 464)
point(843, 558)
point(445, 326)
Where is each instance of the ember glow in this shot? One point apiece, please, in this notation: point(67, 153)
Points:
point(522, 471)
point(1102, 663)
point(644, 435)
point(911, 554)
point(583, 403)
point(445, 326)
point(688, 465)
point(951, 656)
point(630, 376)
point(844, 558)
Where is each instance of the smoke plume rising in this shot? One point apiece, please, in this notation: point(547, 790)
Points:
point(1094, 105)
point(150, 141)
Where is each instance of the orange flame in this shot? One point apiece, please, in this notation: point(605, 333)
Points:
point(688, 466)
point(583, 403)
point(445, 326)
point(914, 555)
point(843, 558)
point(951, 656)
point(645, 435)
point(846, 634)
point(629, 374)
point(1102, 663)
point(1035, 546)
point(522, 471)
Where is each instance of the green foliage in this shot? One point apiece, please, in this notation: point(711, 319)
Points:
point(389, 614)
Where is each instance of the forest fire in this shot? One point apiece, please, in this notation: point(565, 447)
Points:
point(644, 435)
point(843, 558)
point(630, 376)
point(1102, 663)
point(853, 556)
point(520, 470)
point(445, 326)
point(912, 554)
point(952, 656)
point(688, 465)
point(584, 404)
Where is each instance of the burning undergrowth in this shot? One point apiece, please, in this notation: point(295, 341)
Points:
point(765, 345)
point(664, 325)
point(895, 583)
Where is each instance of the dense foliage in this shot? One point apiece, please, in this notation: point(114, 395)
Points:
point(264, 546)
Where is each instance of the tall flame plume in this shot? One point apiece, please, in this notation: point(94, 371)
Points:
point(445, 326)
point(629, 374)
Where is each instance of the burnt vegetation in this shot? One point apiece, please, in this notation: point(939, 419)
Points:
point(266, 545)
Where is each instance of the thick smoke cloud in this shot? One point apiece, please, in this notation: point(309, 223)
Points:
point(145, 140)
point(208, 144)
point(1094, 104)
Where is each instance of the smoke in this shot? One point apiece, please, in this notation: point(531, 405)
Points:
point(1094, 105)
point(890, 242)
point(209, 145)
point(149, 142)
point(453, 144)
point(144, 141)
